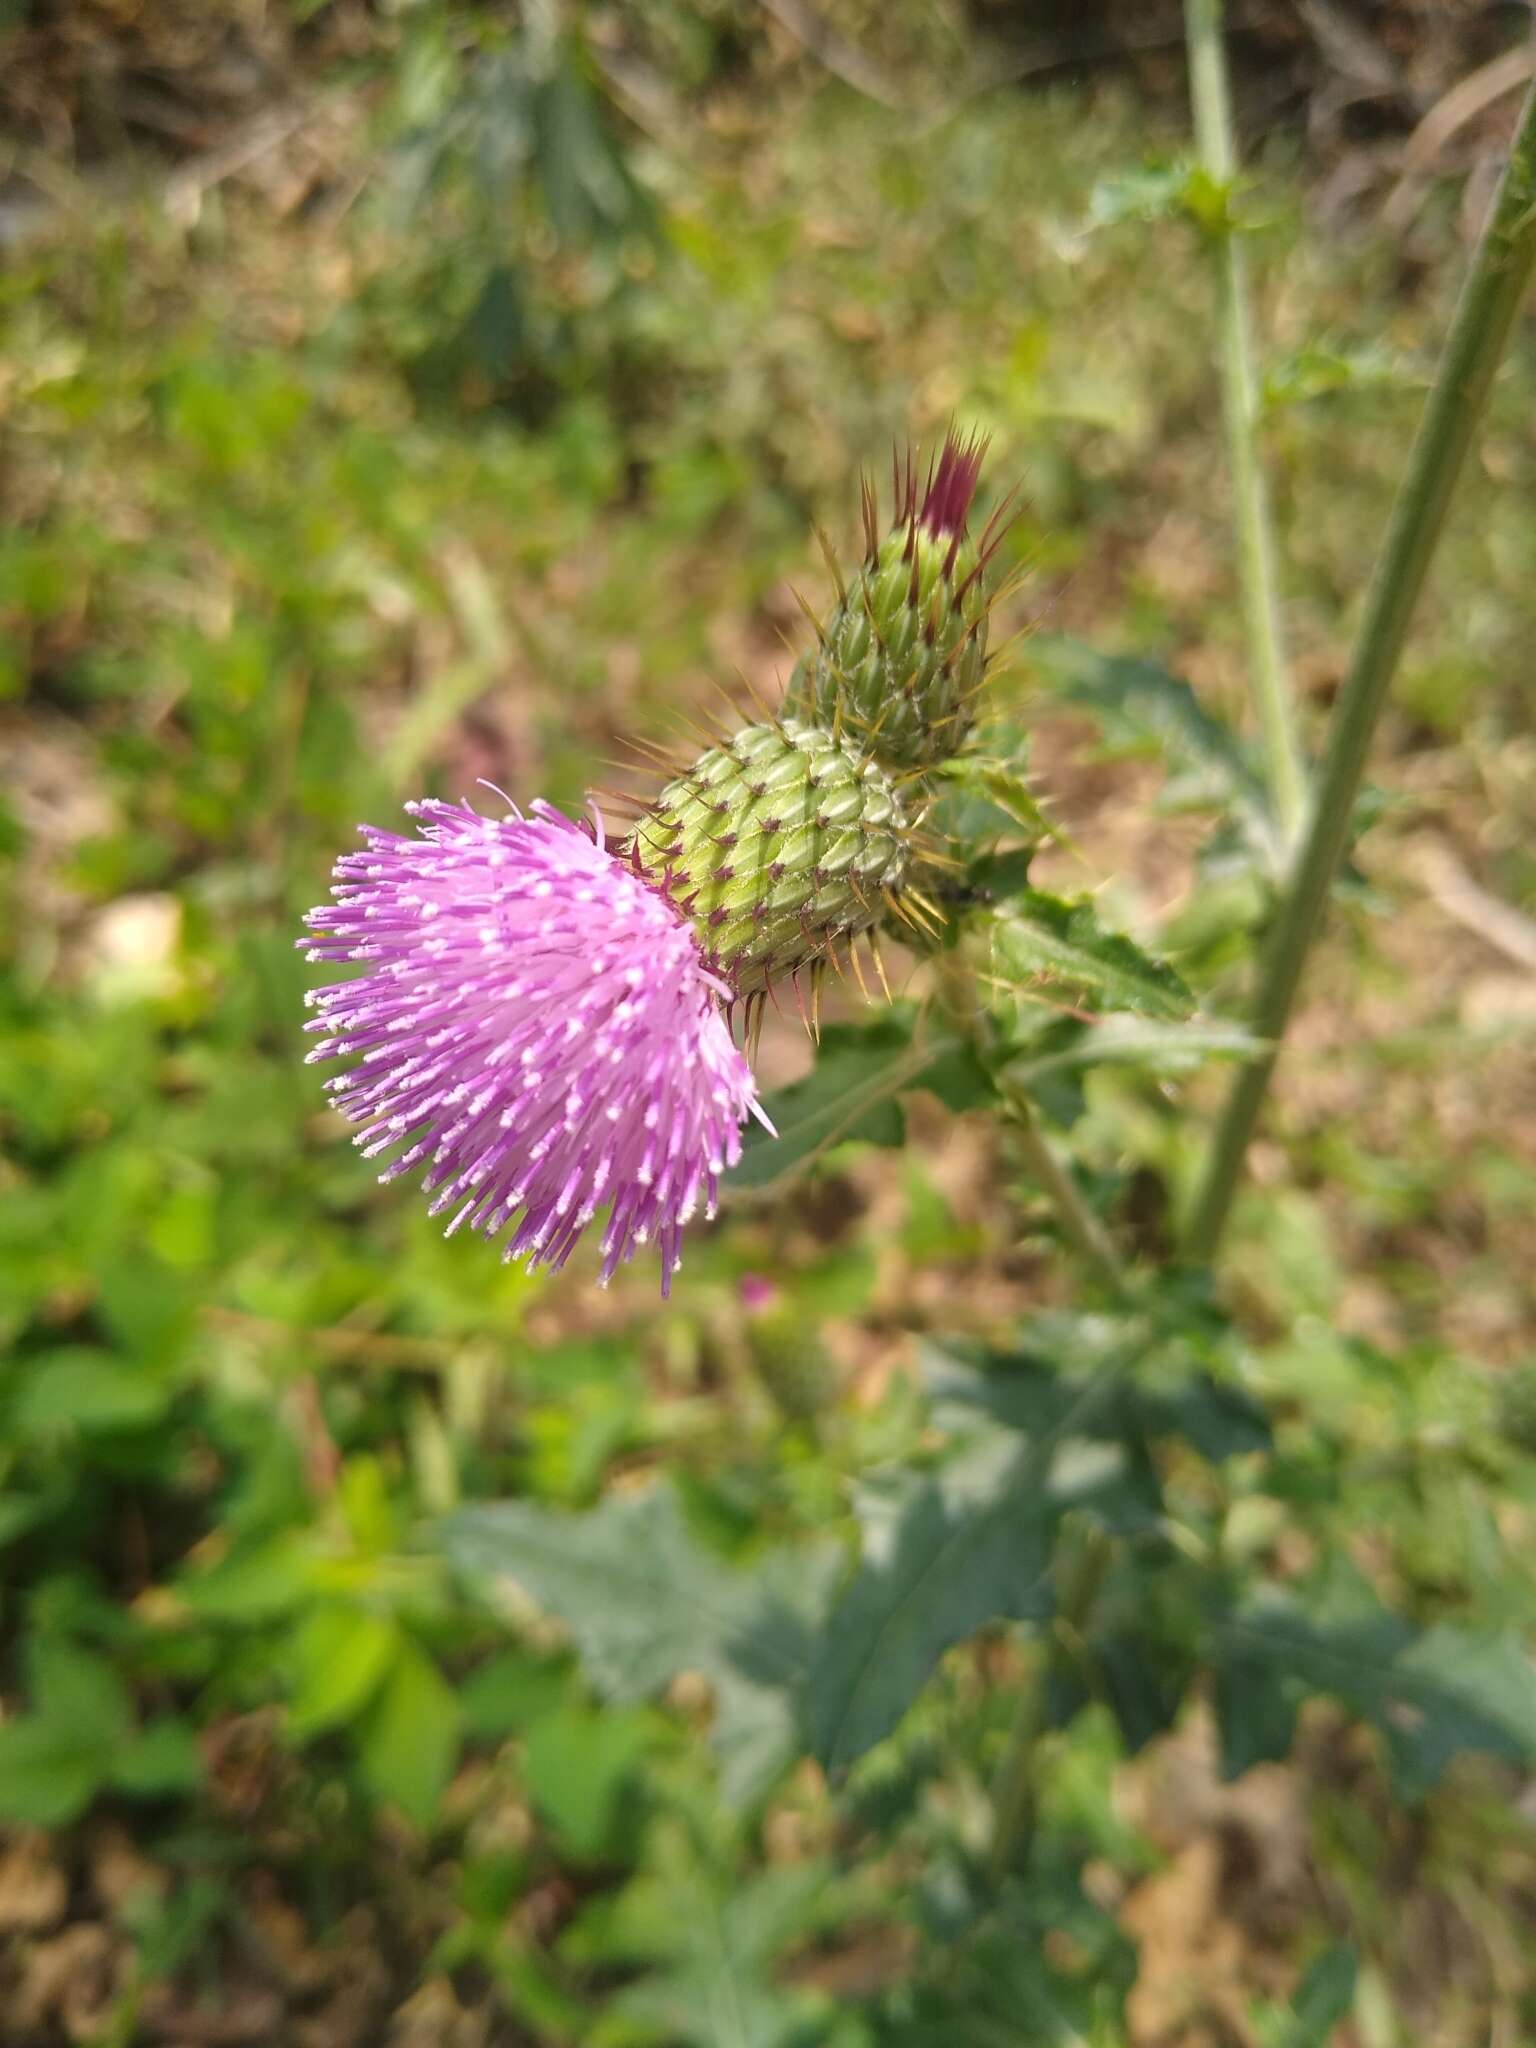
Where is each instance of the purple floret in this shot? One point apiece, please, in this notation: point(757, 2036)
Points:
point(534, 1023)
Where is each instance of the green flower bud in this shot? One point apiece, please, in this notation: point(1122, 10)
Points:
point(786, 1350)
point(779, 845)
point(899, 665)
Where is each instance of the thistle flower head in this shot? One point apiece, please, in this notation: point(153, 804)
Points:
point(535, 1027)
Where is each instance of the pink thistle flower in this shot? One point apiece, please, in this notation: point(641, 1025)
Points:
point(536, 1024)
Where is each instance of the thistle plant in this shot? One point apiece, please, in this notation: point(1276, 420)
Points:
point(546, 1023)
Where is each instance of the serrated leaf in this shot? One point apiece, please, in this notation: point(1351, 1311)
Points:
point(998, 791)
point(942, 1556)
point(1140, 707)
point(1318, 370)
point(643, 1601)
point(1431, 1695)
point(1020, 1390)
point(713, 1939)
point(849, 1093)
point(1041, 941)
point(1180, 189)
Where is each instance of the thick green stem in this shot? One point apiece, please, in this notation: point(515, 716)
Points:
point(1491, 297)
point(1240, 415)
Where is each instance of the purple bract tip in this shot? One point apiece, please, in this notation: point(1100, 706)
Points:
point(534, 1025)
point(946, 502)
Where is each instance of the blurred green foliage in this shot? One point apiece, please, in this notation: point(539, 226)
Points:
point(499, 438)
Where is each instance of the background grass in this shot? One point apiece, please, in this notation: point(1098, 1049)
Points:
point(474, 418)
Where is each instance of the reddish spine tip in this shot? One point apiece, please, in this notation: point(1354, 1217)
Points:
point(952, 485)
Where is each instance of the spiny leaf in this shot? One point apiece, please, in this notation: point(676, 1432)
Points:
point(1432, 1695)
point(946, 1553)
point(1056, 942)
point(1140, 707)
point(643, 1601)
point(999, 790)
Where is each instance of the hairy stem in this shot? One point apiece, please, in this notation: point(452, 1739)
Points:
point(1080, 1225)
point(1240, 416)
point(956, 986)
point(1500, 274)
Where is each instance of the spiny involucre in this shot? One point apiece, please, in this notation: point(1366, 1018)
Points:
point(899, 664)
point(780, 845)
point(535, 1027)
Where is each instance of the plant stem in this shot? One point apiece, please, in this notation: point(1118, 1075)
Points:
point(1013, 1793)
point(1240, 416)
point(1083, 1229)
point(1495, 286)
point(957, 991)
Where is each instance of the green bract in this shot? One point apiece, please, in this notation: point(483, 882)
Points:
point(901, 659)
point(778, 845)
point(899, 665)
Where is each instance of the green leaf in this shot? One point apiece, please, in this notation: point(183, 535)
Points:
point(941, 1556)
point(1432, 1695)
point(643, 1601)
point(849, 1093)
point(78, 1693)
point(713, 1938)
point(262, 1583)
point(1140, 707)
point(578, 1766)
point(90, 1391)
point(1057, 943)
point(47, 1777)
point(1000, 798)
point(1020, 1390)
point(512, 1690)
point(1125, 1040)
point(409, 1740)
point(1320, 369)
point(162, 1758)
point(1323, 1998)
point(1178, 189)
point(340, 1657)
